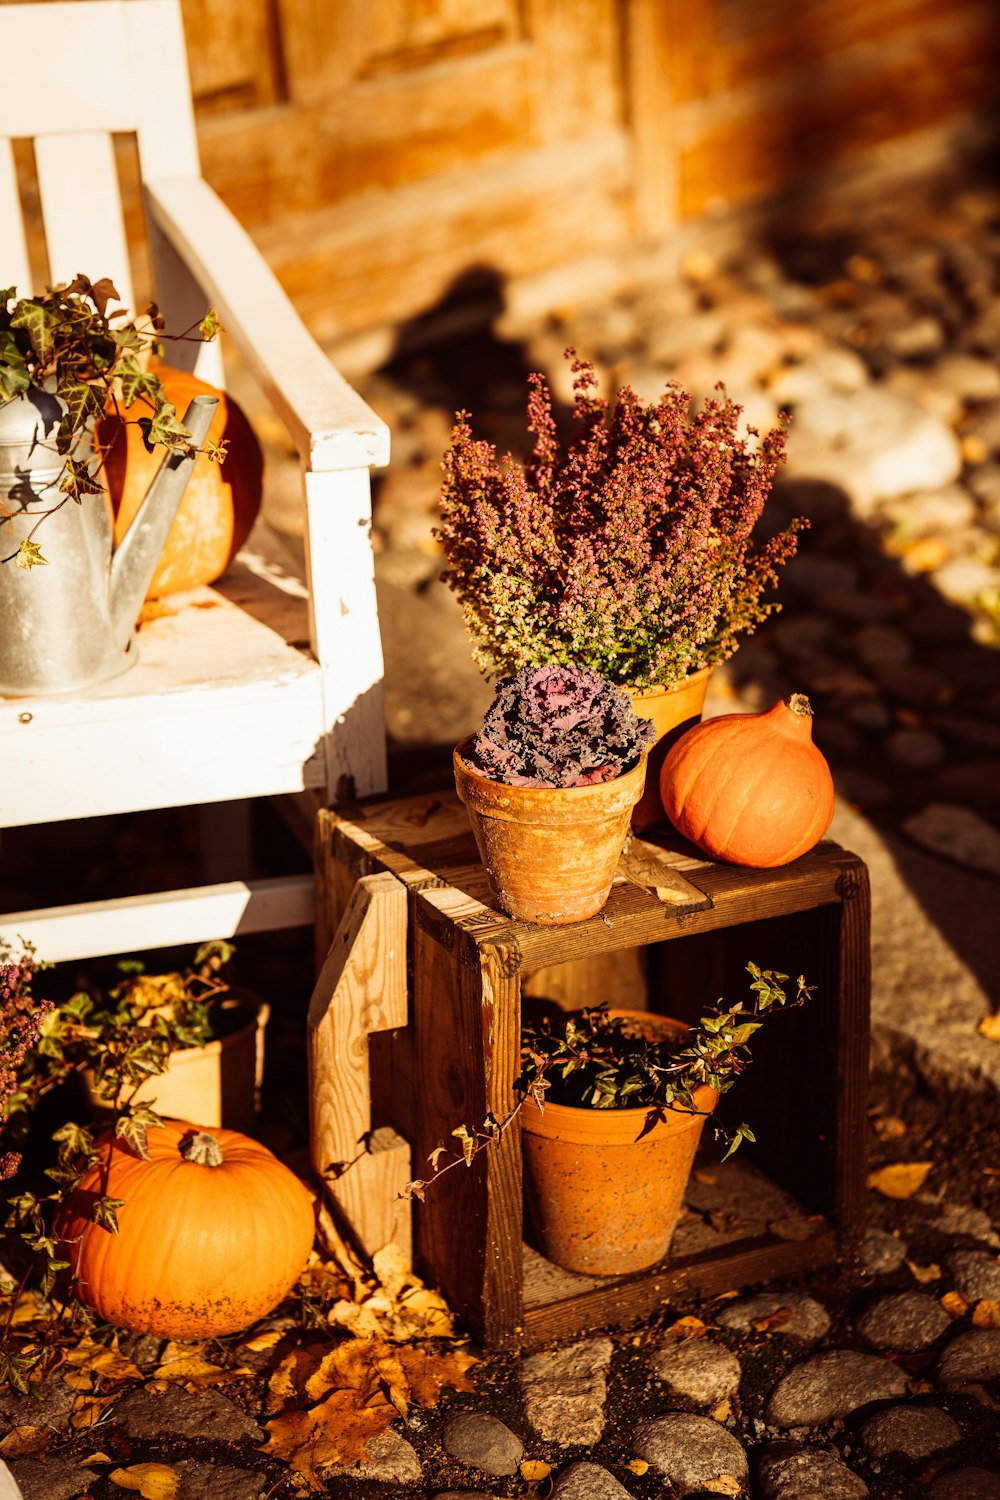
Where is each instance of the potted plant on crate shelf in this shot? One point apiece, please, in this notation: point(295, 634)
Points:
point(67, 613)
point(612, 1105)
point(549, 785)
point(628, 550)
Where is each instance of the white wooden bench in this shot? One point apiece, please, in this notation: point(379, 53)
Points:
point(268, 684)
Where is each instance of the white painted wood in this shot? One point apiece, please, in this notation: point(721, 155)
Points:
point(164, 113)
point(64, 93)
point(82, 211)
point(8, 1484)
point(163, 919)
point(14, 268)
point(183, 304)
point(344, 626)
point(330, 424)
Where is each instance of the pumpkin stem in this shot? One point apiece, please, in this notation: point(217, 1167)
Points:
point(799, 704)
point(201, 1148)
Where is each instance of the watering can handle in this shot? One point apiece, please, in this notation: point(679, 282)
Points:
point(135, 558)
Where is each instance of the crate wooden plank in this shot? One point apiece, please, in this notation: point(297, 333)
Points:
point(361, 989)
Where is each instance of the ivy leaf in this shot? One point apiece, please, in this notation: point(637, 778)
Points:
point(39, 323)
point(133, 1133)
point(468, 1141)
point(102, 292)
point(127, 338)
point(81, 402)
point(210, 327)
point(78, 481)
point(29, 555)
point(105, 1213)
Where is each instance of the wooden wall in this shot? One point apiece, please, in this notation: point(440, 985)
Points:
point(378, 150)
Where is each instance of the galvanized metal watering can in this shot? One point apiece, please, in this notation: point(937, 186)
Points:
point(70, 624)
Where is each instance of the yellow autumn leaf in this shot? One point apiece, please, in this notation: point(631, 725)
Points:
point(152, 1481)
point(986, 1314)
point(900, 1180)
point(924, 1274)
point(106, 1361)
point(198, 1371)
point(954, 1304)
point(24, 1442)
point(989, 1027)
point(723, 1411)
point(637, 1466)
point(97, 1458)
point(726, 1484)
point(688, 1328)
point(535, 1468)
point(88, 1410)
point(262, 1341)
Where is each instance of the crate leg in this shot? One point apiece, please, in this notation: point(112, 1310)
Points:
point(361, 989)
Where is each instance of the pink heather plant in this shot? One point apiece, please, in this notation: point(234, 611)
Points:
point(21, 1016)
point(628, 551)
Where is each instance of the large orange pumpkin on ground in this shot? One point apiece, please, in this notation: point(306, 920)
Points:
point(212, 1234)
point(750, 789)
point(221, 501)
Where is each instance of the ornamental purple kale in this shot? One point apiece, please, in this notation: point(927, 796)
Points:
point(559, 726)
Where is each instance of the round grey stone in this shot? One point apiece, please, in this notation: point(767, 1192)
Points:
point(703, 1371)
point(809, 1321)
point(483, 1442)
point(881, 1252)
point(958, 1219)
point(881, 645)
point(914, 749)
point(963, 578)
point(904, 1323)
point(202, 1481)
point(971, 378)
point(694, 1453)
point(465, 1495)
point(832, 1384)
point(177, 1413)
point(958, 833)
point(966, 1484)
point(974, 1355)
point(583, 1481)
point(934, 510)
point(975, 1274)
point(790, 1473)
point(912, 1432)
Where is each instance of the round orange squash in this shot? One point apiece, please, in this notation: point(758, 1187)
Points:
point(221, 501)
point(750, 789)
point(212, 1234)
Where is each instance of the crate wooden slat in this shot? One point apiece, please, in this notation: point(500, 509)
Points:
point(457, 1057)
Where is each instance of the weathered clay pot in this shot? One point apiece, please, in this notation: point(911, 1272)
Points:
point(603, 1198)
point(550, 853)
point(673, 710)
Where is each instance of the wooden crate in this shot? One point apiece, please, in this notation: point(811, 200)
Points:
point(792, 1203)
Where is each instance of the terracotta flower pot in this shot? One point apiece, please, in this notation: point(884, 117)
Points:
point(673, 710)
point(550, 853)
point(218, 1084)
point(603, 1198)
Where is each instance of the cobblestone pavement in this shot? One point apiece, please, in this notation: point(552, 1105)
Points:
point(882, 335)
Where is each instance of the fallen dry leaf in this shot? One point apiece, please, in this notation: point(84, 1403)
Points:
point(428, 1374)
point(986, 1314)
point(333, 1432)
point(88, 1410)
point(707, 1179)
point(152, 1481)
point(96, 1458)
point(637, 1466)
point(777, 1319)
point(723, 1411)
point(954, 1304)
point(24, 1442)
point(195, 1371)
point(726, 1484)
point(535, 1468)
point(889, 1127)
point(104, 1360)
point(263, 1341)
point(924, 1274)
point(688, 1328)
point(797, 1226)
point(901, 1180)
point(989, 1027)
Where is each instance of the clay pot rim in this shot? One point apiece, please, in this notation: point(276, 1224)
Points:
point(581, 795)
point(662, 689)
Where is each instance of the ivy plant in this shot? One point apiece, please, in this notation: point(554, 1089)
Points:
point(72, 343)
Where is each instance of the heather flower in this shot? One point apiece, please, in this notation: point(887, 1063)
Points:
point(21, 1017)
point(628, 550)
point(559, 726)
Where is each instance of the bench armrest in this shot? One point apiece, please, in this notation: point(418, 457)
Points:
point(328, 421)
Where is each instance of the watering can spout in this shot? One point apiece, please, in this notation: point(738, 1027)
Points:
point(136, 556)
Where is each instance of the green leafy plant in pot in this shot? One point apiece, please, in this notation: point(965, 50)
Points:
point(627, 549)
point(549, 785)
point(612, 1106)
